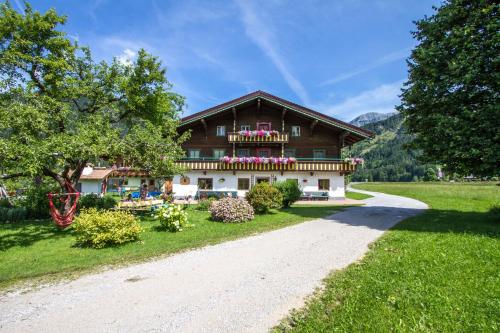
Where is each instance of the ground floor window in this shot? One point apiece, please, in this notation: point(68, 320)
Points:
point(243, 183)
point(323, 184)
point(205, 183)
point(262, 180)
point(295, 180)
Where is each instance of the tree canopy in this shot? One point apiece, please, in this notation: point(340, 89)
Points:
point(451, 98)
point(59, 109)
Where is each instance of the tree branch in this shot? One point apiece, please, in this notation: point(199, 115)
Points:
point(14, 175)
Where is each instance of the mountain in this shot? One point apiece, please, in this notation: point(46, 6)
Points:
point(386, 158)
point(370, 117)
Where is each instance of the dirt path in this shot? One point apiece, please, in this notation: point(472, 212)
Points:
point(246, 285)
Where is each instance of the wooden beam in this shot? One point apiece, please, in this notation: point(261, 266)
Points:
point(312, 126)
point(204, 123)
point(258, 104)
point(342, 137)
point(234, 118)
point(283, 113)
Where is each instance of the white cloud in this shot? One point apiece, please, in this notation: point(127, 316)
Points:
point(381, 99)
point(388, 58)
point(260, 32)
point(127, 57)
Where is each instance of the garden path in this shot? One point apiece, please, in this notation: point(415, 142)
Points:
point(246, 285)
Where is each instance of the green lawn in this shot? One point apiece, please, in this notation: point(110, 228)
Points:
point(37, 249)
point(357, 196)
point(436, 272)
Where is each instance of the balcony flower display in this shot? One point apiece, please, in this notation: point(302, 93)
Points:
point(355, 160)
point(259, 160)
point(258, 133)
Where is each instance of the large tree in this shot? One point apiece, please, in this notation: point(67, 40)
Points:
point(60, 110)
point(451, 99)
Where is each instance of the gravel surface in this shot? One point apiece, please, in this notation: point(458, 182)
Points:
point(246, 285)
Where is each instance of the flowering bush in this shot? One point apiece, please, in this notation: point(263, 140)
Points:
point(260, 133)
point(259, 160)
point(172, 217)
point(355, 160)
point(231, 210)
point(102, 228)
point(264, 197)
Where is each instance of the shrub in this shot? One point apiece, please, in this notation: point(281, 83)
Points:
point(13, 214)
point(36, 200)
point(172, 217)
point(103, 228)
point(5, 203)
point(204, 204)
point(264, 197)
point(93, 200)
point(290, 191)
point(231, 210)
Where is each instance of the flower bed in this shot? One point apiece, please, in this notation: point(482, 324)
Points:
point(354, 160)
point(258, 133)
point(259, 160)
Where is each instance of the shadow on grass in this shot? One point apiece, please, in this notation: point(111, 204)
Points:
point(27, 233)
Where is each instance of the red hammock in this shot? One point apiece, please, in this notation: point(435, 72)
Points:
point(64, 220)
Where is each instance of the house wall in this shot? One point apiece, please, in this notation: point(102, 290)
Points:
point(90, 186)
point(230, 182)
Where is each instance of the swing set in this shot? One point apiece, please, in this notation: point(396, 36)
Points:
point(63, 220)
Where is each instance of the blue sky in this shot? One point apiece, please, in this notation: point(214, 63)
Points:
point(339, 57)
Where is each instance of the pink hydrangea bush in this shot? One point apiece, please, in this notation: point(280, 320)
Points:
point(231, 210)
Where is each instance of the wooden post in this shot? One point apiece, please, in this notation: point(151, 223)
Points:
point(204, 123)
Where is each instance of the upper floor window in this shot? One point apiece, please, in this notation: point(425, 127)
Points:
point(243, 153)
point(218, 153)
point(263, 126)
point(245, 127)
point(221, 130)
point(319, 153)
point(295, 130)
point(194, 153)
point(263, 152)
point(289, 152)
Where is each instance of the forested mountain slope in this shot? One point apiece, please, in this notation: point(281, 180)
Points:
point(386, 158)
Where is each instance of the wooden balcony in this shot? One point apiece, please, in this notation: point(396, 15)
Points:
point(301, 165)
point(235, 137)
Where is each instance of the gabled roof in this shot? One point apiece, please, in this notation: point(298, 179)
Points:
point(282, 102)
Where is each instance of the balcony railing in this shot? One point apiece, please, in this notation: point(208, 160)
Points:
point(302, 164)
point(255, 136)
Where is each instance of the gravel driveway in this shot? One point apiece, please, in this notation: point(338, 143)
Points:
point(246, 285)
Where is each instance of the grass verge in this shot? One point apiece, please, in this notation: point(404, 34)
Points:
point(357, 196)
point(38, 250)
point(435, 272)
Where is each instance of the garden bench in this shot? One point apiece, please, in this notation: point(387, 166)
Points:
point(315, 195)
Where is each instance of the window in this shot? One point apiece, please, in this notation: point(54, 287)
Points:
point(243, 153)
point(264, 126)
point(245, 127)
point(295, 130)
point(295, 180)
point(319, 153)
point(324, 184)
point(262, 180)
point(218, 153)
point(290, 152)
point(194, 153)
point(243, 183)
point(221, 130)
point(264, 152)
point(205, 183)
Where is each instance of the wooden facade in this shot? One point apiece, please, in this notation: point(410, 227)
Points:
point(313, 139)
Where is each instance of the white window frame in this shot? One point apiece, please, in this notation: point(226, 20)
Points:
point(221, 130)
point(219, 150)
point(245, 128)
point(192, 151)
point(295, 131)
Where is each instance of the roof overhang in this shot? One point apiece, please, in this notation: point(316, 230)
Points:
point(281, 102)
